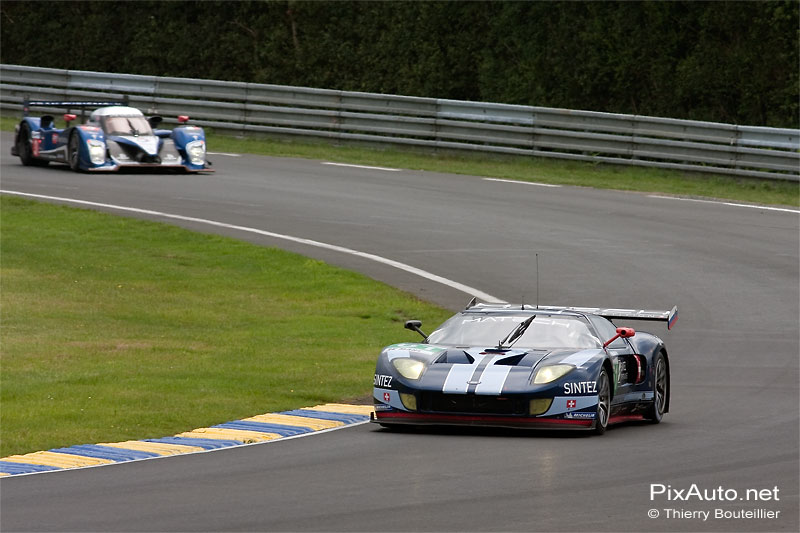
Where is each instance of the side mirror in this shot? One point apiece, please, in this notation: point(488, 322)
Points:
point(414, 325)
point(154, 121)
point(183, 119)
point(69, 117)
point(621, 332)
point(626, 332)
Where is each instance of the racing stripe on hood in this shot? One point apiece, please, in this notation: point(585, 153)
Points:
point(493, 379)
point(460, 374)
point(480, 377)
point(480, 368)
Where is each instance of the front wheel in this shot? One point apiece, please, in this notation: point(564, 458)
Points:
point(603, 403)
point(655, 412)
point(73, 153)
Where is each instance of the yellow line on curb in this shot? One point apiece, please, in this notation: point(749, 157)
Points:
point(160, 448)
point(290, 420)
point(343, 408)
point(242, 435)
point(61, 460)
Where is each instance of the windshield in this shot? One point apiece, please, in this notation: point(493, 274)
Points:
point(130, 125)
point(544, 332)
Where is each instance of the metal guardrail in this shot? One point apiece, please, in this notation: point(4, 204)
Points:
point(241, 108)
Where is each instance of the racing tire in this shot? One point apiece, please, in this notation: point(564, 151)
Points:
point(24, 150)
point(73, 153)
point(603, 403)
point(655, 412)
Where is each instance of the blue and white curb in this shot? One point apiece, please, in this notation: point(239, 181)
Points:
point(261, 428)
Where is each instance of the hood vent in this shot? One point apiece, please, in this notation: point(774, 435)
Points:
point(455, 357)
point(513, 360)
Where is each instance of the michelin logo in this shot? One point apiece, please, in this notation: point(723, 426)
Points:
point(579, 416)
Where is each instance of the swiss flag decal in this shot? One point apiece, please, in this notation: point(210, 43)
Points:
point(571, 404)
point(386, 396)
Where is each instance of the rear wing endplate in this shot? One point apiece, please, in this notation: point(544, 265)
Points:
point(670, 317)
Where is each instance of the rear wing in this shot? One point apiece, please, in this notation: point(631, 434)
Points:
point(670, 317)
point(71, 104)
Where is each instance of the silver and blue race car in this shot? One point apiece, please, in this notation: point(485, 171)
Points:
point(526, 366)
point(115, 136)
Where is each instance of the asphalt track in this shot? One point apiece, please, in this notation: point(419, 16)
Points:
point(733, 426)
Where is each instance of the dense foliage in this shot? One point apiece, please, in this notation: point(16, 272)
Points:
point(723, 61)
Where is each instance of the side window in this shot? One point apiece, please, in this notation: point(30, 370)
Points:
point(607, 330)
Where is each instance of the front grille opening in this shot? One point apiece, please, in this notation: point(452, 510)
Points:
point(437, 402)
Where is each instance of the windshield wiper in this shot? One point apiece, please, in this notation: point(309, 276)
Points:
point(509, 340)
point(133, 128)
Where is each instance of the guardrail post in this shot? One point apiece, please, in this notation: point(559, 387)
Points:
point(246, 110)
point(735, 137)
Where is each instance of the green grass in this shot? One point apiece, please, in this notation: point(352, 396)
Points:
point(542, 170)
point(117, 329)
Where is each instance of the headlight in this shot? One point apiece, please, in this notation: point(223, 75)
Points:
point(546, 374)
point(196, 150)
point(409, 368)
point(97, 152)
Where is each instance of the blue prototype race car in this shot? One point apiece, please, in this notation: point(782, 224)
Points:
point(525, 366)
point(115, 136)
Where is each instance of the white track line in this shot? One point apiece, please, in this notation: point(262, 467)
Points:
point(766, 208)
point(718, 202)
point(362, 166)
point(372, 257)
point(523, 182)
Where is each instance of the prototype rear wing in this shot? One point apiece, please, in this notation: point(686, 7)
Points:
point(670, 317)
point(71, 104)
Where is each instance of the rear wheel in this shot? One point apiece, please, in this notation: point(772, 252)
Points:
point(660, 387)
point(24, 149)
point(603, 403)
